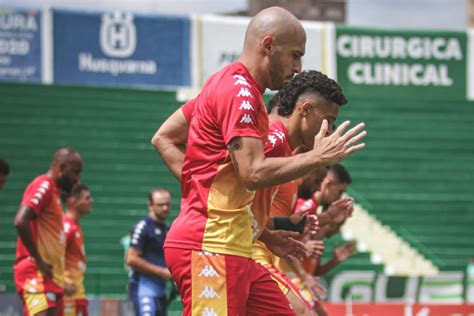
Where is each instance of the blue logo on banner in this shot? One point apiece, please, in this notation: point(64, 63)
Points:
point(121, 49)
point(20, 45)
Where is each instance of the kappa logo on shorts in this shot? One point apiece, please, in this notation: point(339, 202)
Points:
point(51, 296)
point(207, 253)
point(246, 106)
point(209, 311)
point(244, 92)
point(209, 292)
point(208, 271)
point(241, 80)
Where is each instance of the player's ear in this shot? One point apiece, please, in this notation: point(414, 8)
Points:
point(305, 108)
point(268, 45)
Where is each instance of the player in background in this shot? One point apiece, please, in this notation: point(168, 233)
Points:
point(79, 204)
point(4, 172)
point(41, 244)
point(328, 193)
point(147, 285)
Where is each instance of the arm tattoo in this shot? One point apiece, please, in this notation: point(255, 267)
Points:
point(232, 147)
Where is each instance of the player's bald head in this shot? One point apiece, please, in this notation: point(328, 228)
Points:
point(276, 22)
point(66, 154)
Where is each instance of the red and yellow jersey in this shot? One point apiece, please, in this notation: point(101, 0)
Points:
point(277, 145)
point(216, 211)
point(43, 196)
point(75, 257)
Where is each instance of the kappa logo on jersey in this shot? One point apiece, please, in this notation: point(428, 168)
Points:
point(246, 106)
point(244, 92)
point(209, 292)
point(208, 271)
point(272, 138)
point(209, 311)
point(241, 80)
point(157, 231)
point(246, 119)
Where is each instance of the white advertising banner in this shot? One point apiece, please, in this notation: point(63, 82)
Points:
point(470, 64)
point(218, 41)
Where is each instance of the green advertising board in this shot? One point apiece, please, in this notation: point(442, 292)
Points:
point(402, 64)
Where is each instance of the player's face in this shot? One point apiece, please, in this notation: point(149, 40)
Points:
point(70, 173)
point(84, 202)
point(314, 119)
point(334, 190)
point(286, 61)
point(161, 205)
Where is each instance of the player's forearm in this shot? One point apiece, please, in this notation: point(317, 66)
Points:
point(273, 171)
point(173, 156)
point(24, 231)
point(325, 268)
point(297, 267)
point(140, 265)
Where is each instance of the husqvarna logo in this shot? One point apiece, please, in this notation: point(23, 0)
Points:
point(118, 35)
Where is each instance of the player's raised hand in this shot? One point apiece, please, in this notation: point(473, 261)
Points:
point(332, 148)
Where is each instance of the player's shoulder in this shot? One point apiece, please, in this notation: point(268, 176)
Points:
point(277, 138)
point(43, 180)
point(69, 224)
point(236, 80)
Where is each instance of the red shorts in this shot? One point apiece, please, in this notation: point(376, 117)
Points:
point(220, 284)
point(75, 307)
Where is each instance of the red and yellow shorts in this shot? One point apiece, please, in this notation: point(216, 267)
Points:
point(36, 292)
point(220, 284)
point(34, 303)
point(75, 307)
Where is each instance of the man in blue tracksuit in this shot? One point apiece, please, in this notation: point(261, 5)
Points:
point(147, 285)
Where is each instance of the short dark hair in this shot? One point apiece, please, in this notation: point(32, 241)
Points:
point(76, 191)
point(341, 173)
point(161, 190)
point(311, 81)
point(4, 167)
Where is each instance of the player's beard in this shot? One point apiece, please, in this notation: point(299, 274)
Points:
point(65, 185)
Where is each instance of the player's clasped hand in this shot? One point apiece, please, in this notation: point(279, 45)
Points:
point(332, 148)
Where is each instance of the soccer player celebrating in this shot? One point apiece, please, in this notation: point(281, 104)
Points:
point(40, 251)
point(208, 248)
point(79, 203)
point(147, 286)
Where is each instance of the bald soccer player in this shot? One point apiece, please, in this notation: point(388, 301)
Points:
point(208, 248)
point(41, 245)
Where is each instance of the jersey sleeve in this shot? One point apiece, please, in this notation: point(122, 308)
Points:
point(138, 238)
point(188, 109)
point(238, 115)
point(38, 195)
point(70, 232)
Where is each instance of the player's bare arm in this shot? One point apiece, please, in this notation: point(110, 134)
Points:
point(170, 142)
point(134, 259)
point(256, 171)
point(22, 223)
